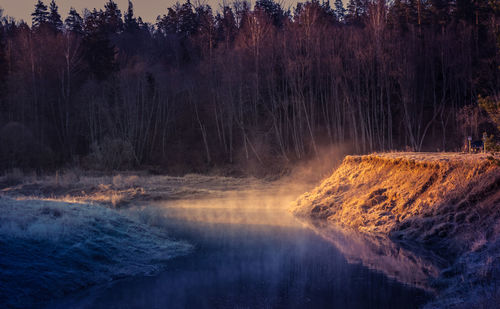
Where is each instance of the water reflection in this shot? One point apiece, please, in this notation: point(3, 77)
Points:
point(412, 267)
point(415, 267)
point(256, 255)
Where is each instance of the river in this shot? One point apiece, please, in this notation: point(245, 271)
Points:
point(252, 253)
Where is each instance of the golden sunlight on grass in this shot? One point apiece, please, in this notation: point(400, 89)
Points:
point(419, 196)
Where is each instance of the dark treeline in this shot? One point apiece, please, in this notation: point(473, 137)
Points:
point(261, 85)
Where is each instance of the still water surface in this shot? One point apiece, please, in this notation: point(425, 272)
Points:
point(251, 257)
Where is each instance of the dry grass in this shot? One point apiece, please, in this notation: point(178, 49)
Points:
point(125, 188)
point(74, 186)
point(446, 202)
point(423, 197)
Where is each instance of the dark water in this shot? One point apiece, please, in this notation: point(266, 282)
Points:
point(252, 265)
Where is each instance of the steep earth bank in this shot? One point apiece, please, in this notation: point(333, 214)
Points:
point(445, 202)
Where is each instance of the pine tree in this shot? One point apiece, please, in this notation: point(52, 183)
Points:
point(272, 9)
point(226, 26)
point(339, 10)
point(112, 17)
point(54, 18)
point(206, 27)
point(99, 51)
point(143, 26)
point(187, 20)
point(356, 9)
point(168, 24)
point(40, 15)
point(130, 23)
point(74, 22)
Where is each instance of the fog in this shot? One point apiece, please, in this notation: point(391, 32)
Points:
point(249, 251)
point(194, 241)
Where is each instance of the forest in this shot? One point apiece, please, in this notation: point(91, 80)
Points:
point(240, 86)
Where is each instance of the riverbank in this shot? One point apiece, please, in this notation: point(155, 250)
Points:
point(67, 233)
point(444, 202)
point(156, 252)
point(120, 189)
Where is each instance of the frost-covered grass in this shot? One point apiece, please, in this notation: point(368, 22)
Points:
point(49, 249)
point(120, 189)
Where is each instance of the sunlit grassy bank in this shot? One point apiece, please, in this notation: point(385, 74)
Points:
point(445, 202)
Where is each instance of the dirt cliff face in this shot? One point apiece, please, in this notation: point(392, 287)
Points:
point(447, 201)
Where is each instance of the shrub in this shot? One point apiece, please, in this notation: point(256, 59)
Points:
point(111, 154)
point(491, 144)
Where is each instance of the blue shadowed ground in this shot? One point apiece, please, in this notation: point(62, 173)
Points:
point(49, 249)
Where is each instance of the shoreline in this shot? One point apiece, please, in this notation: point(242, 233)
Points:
point(446, 203)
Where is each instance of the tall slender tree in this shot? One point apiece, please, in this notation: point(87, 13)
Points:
point(99, 50)
point(112, 17)
point(130, 22)
point(3, 59)
point(74, 22)
point(187, 20)
point(54, 19)
point(40, 16)
point(227, 27)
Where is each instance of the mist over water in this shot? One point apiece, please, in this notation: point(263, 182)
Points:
point(218, 242)
point(248, 252)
